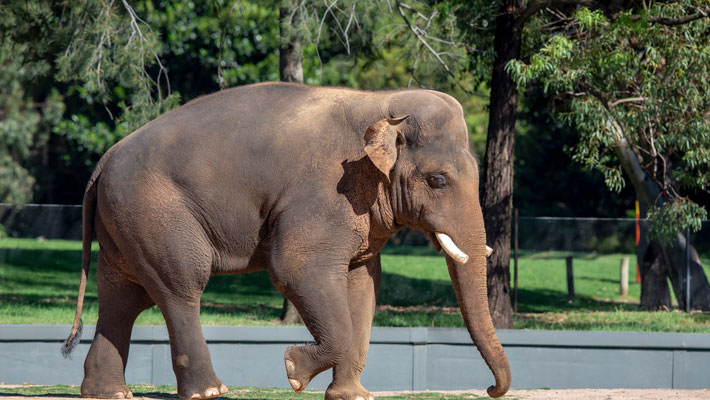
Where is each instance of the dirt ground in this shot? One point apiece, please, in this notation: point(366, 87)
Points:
point(539, 394)
point(589, 394)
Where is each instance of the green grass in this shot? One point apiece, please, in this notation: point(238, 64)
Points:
point(235, 393)
point(39, 281)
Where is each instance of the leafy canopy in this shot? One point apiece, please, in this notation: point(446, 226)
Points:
point(638, 79)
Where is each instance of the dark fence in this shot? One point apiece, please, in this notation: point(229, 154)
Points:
point(599, 235)
point(50, 221)
point(579, 238)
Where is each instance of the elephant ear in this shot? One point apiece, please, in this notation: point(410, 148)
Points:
point(381, 143)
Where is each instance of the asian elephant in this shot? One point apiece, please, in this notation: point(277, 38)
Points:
point(305, 182)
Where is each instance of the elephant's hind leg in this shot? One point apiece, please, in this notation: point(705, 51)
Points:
point(191, 358)
point(175, 266)
point(120, 302)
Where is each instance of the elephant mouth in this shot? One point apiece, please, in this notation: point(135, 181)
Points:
point(434, 242)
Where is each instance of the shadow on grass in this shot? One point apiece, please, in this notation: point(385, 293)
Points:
point(409, 251)
point(6, 394)
point(252, 295)
point(596, 279)
point(546, 300)
point(556, 255)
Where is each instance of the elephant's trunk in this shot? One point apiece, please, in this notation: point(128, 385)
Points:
point(469, 281)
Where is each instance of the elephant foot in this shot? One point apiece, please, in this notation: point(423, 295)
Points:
point(105, 392)
point(209, 393)
point(297, 380)
point(353, 391)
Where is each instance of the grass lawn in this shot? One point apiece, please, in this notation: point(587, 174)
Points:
point(39, 281)
point(235, 393)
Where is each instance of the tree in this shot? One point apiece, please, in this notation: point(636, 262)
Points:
point(25, 125)
point(93, 59)
point(637, 86)
point(291, 25)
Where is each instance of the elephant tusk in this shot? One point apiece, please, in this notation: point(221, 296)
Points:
point(489, 251)
point(451, 249)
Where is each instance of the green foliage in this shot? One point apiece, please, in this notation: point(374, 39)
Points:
point(681, 215)
point(632, 80)
point(25, 123)
point(547, 180)
point(78, 77)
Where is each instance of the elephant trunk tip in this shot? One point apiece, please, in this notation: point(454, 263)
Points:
point(495, 391)
point(501, 387)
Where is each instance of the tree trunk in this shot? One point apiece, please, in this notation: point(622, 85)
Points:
point(497, 202)
point(673, 252)
point(699, 287)
point(655, 294)
point(290, 70)
point(290, 51)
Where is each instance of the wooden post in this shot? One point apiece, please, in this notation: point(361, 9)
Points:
point(624, 278)
point(570, 278)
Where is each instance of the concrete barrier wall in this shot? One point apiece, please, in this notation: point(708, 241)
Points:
point(399, 358)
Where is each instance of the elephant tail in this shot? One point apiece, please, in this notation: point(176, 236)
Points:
point(87, 217)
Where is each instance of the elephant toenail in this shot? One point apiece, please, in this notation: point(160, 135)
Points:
point(296, 385)
point(120, 395)
point(223, 389)
point(290, 367)
point(129, 395)
point(195, 396)
point(211, 392)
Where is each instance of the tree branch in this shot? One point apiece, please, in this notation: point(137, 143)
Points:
point(536, 7)
point(627, 100)
point(675, 21)
point(134, 23)
point(416, 31)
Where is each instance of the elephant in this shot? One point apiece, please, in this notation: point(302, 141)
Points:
point(305, 182)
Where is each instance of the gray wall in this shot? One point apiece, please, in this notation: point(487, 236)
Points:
point(399, 358)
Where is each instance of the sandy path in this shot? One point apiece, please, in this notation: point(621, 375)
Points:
point(590, 394)
point(567, 394)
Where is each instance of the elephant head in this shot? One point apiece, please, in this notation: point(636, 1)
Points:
point(424, 152)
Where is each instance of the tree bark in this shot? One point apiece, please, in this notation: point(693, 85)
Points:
point(497, 201)
point(290, 50)
point(655, 295)
point(290, 70)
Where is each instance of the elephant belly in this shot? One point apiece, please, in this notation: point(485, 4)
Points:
point(227, 263)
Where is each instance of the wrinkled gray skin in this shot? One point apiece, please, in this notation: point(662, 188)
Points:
point(305, 182)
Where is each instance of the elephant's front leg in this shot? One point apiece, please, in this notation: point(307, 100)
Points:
point(363, 288)
point(315, 279)
point(319, 294)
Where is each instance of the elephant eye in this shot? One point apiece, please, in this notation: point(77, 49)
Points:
point(436, 181)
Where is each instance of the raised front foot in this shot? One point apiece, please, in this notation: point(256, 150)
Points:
point(353, 391)
point(97, 391)
point(296, 378)
point(300, 368)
